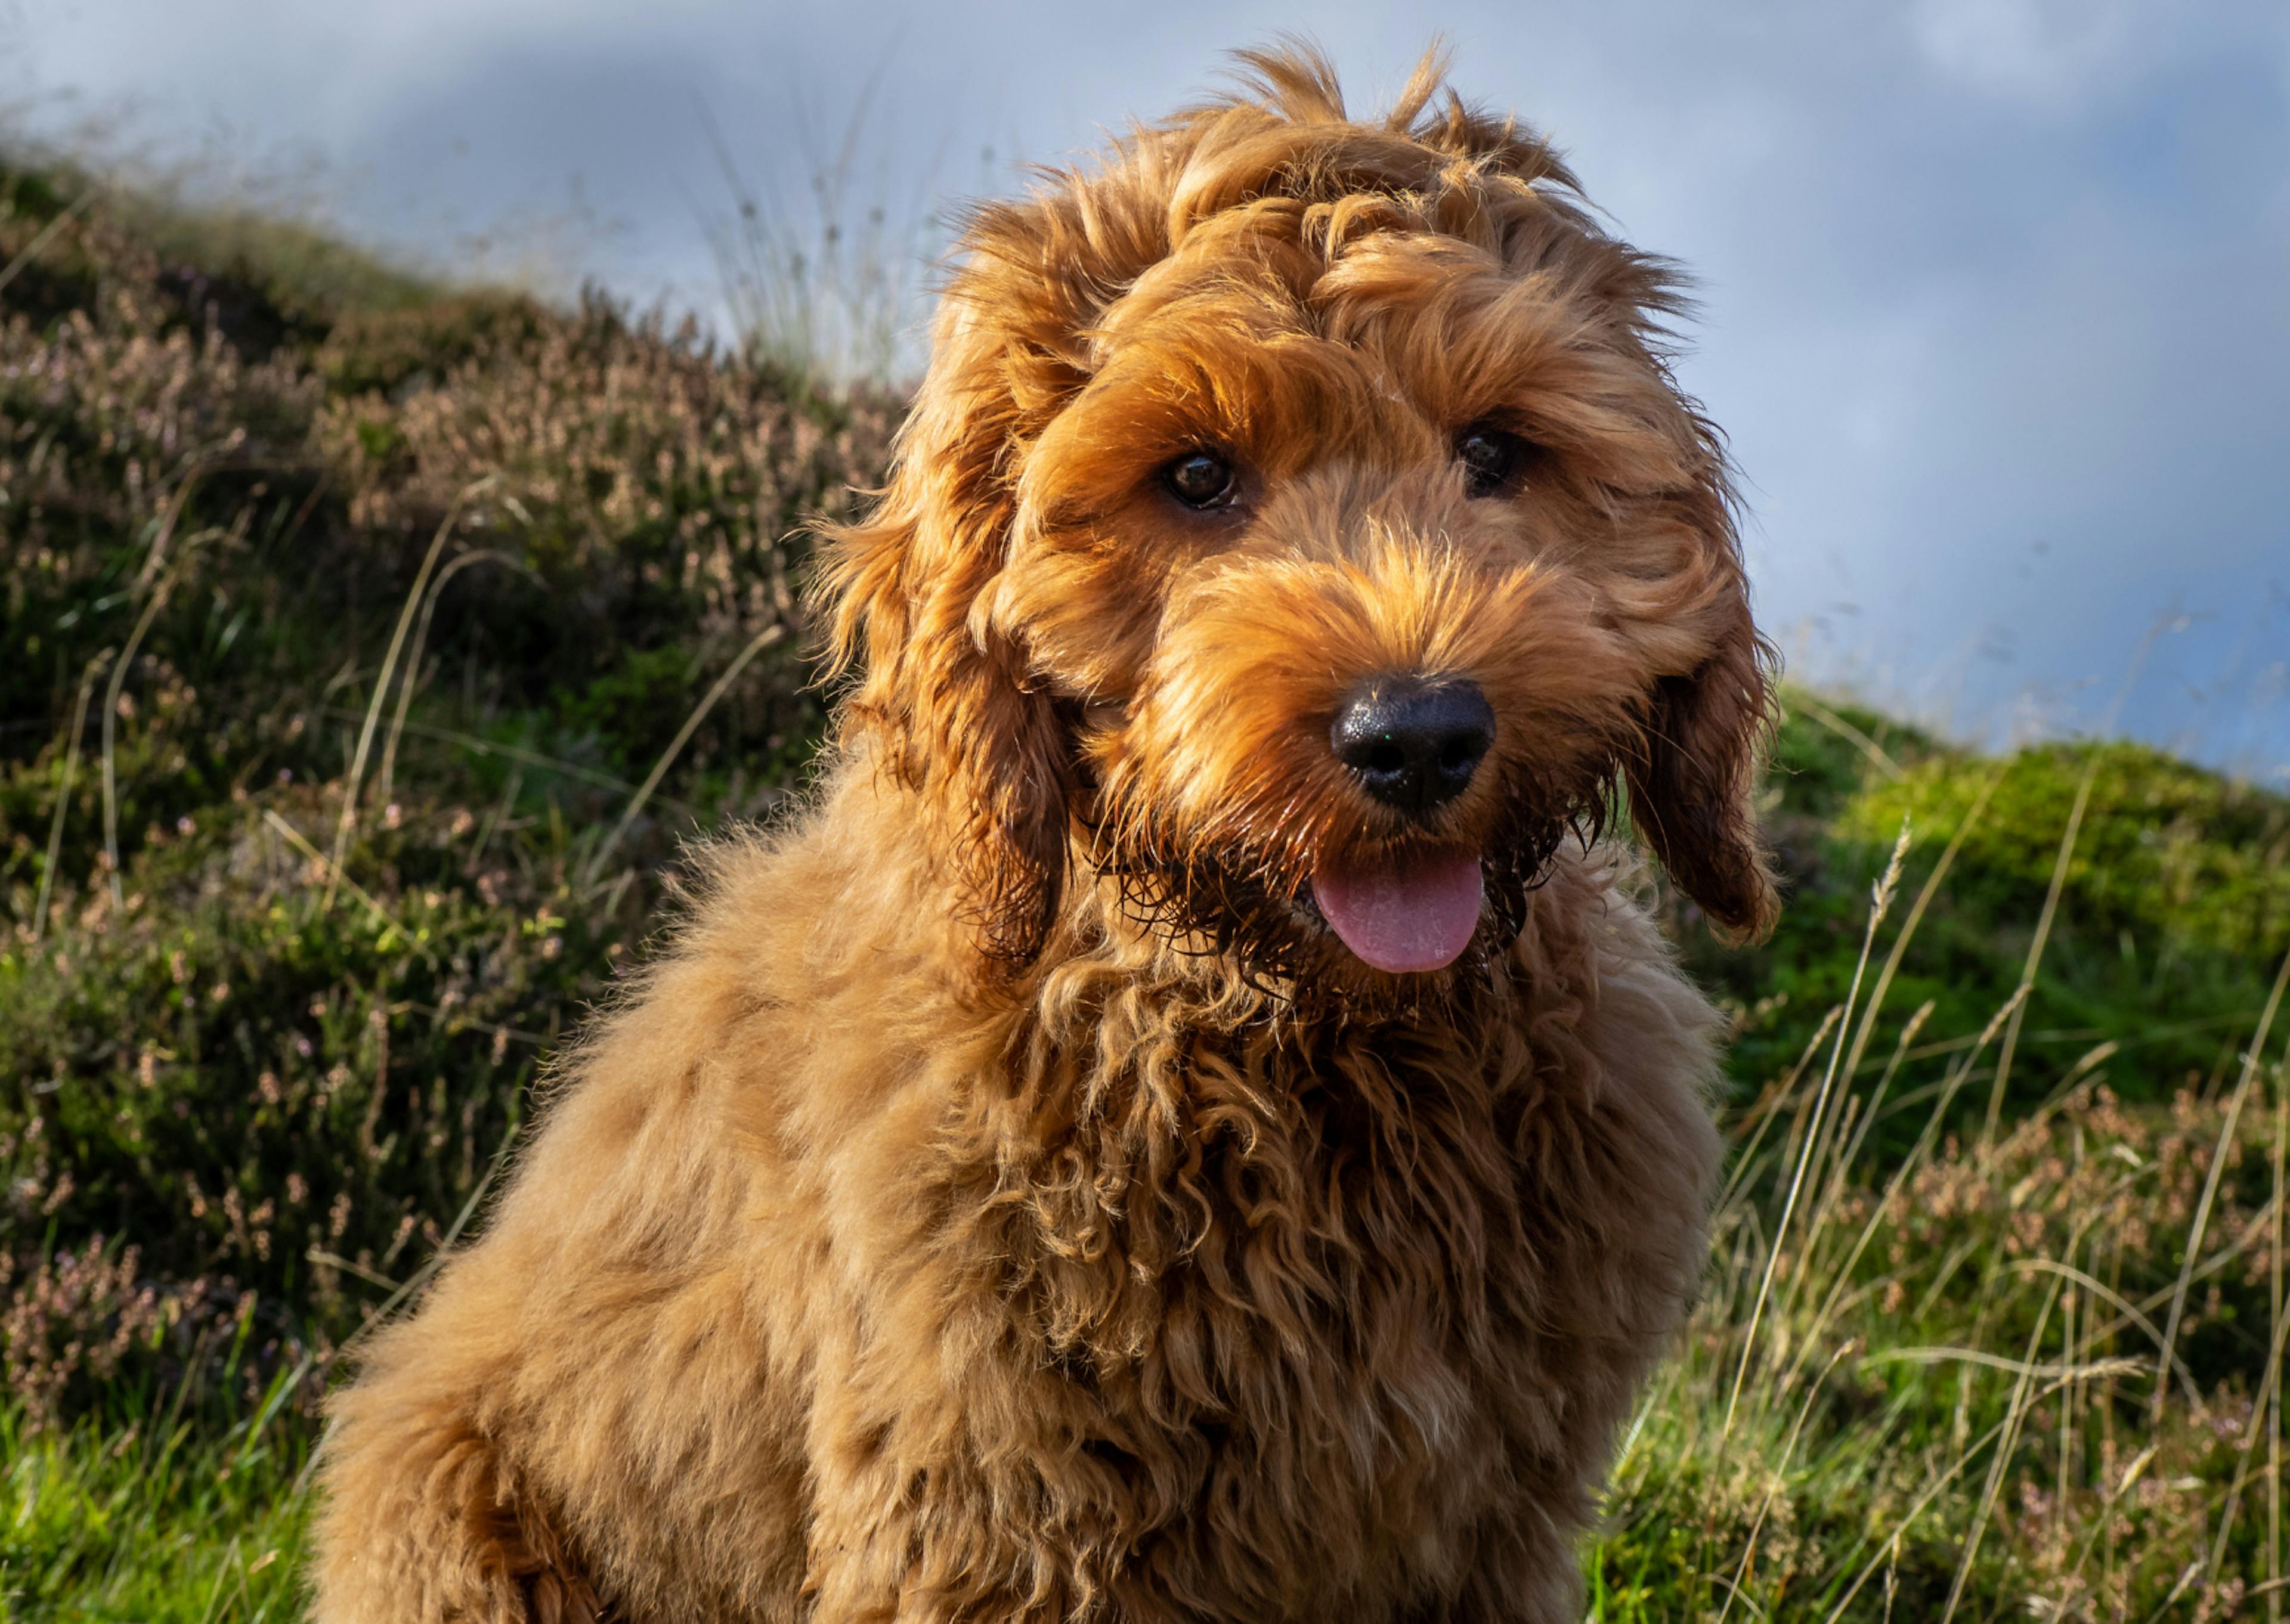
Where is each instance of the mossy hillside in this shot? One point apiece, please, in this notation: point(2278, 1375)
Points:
point(2172, 919)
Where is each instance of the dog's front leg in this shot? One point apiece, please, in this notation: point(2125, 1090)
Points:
point(423, 1523)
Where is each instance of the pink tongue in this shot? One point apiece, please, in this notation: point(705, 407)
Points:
point(1415, 916)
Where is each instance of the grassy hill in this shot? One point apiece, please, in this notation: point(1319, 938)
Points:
point(372, 644)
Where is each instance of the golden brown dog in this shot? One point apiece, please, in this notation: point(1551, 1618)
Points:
point(1174, 1132)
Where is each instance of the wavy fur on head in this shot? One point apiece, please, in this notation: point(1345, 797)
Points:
point(1007, 1199)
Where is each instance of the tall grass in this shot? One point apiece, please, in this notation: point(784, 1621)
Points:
point(1971, 1381)
point(826, 290)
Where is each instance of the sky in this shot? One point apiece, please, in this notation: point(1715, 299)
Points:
point(1995, 293)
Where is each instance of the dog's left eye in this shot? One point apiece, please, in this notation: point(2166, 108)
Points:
point(1489, 457)
point(1200, 479)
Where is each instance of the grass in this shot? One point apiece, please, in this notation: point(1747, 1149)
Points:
point(152, 1518)
point(375, 644)
point(2031, 1373)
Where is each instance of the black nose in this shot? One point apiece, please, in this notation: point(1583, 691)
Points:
point(1415, 745)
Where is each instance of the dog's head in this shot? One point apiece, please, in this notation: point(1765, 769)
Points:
point(1298, 523)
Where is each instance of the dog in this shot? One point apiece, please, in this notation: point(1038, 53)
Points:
point(1192, 1119)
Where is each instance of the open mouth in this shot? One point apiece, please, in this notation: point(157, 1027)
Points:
point(1411, 913)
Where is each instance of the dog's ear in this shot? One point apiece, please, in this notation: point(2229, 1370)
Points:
point(944, 694)
point(1693, 785)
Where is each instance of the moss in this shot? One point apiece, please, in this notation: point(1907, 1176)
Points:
point(2167, 850)
point(2173, 918)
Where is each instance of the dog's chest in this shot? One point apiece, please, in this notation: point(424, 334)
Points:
point(1281, 1340)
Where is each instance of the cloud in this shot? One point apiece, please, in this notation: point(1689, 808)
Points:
point(2045, 51)
point(1991, 288)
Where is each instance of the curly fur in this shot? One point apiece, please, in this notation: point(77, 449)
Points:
point(1005, 1200)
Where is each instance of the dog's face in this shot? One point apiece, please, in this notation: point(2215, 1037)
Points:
point(1298, 523)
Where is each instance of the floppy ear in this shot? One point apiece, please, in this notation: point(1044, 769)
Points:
point(944, 695)
point(1692, 785)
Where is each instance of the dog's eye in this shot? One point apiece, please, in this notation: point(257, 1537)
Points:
point(1490, 457)
point(1200, 479)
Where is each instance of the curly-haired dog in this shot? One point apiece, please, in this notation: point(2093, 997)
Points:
point(1175, 1131)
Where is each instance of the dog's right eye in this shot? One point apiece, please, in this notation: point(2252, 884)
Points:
point(1490, 457)
point(1200, 479)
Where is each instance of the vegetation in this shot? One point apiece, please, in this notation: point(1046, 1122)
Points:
point(2172, 913)
point(374, 642)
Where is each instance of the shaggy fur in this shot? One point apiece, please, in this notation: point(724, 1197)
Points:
point(1006, 1200)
